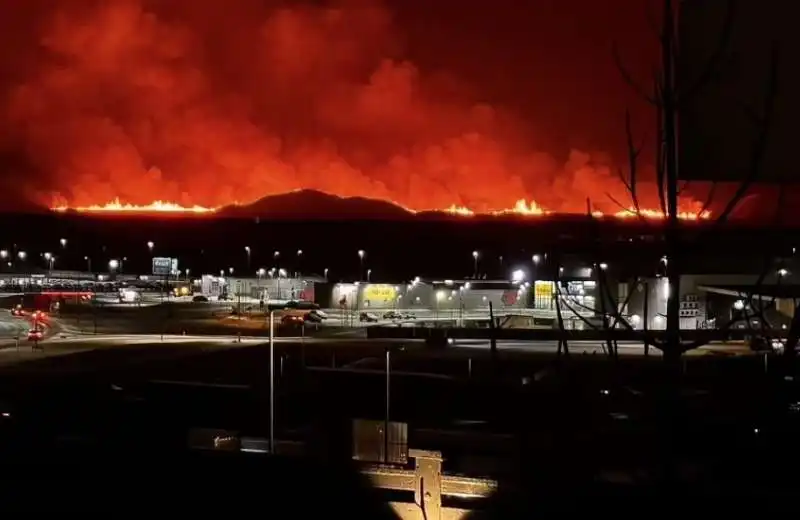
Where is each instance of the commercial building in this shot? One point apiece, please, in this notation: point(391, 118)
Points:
point(264, 288)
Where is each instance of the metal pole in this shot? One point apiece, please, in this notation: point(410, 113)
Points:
point(386, 418)
point(303, 344)
point(272, 382)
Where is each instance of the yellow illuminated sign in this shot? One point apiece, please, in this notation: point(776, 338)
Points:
point(543, 289)
point(380, 293)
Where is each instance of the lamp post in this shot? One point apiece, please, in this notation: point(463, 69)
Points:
point(475, 256)
point(361, 255)
point(247, 251)
point(299, 263)
point(50, 259)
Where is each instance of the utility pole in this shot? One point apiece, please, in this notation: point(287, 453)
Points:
point(272, 382)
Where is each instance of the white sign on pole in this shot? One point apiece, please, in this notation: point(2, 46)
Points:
point(162, 266)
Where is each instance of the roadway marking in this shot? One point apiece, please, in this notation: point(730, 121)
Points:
point(199, 384)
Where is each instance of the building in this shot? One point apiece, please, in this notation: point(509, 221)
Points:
point(268, 289)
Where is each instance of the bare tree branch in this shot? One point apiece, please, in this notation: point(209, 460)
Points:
point(716, 59)
point(626, 75)
point(760, 145)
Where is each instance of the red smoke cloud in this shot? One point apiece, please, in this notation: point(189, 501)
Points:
point(209, 102)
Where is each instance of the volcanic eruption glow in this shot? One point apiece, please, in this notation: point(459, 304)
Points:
point(521, 207)
point(204, 103)
point(158, 206)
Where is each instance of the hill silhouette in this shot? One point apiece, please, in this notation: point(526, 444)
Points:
point(316, 205)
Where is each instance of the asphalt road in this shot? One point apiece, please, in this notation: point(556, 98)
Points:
point(74, 343)
point(11, 327)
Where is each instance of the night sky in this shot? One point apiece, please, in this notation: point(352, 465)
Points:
point(209, 102)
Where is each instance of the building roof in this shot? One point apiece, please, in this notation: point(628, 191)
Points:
point(761, 291)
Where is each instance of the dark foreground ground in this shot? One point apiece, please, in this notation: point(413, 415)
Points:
point(529, 421)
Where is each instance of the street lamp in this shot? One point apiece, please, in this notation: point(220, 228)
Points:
point(361, 255)
point(49, 258)
point(150, 246)
point(88, 263)
point(325, 274)
point(536, 259)
point(113, 264)
point(247, 250)
point(299, 263)
point(63, 242)
point(475, 256)
point(369, 272)
point(22, 255)
point(3, 254)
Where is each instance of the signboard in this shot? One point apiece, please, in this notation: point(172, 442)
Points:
point(380, 292)
point(543, 290)
point(163, 266)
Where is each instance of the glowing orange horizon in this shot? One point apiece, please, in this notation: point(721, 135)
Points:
point(158, 206)
point(521, 207)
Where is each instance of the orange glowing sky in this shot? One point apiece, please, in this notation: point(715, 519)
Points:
point(199, 104)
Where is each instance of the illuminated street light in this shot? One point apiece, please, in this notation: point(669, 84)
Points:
point(150, 246)
point(361, 255)
point(475, 256)
point(63, 242)
point(22, 255)
point(113, 264)
point(247, 250)
point(299, 272)
point(369, 272)
point(603, 266)
point(738, 305)
point(88, 263)
point(49, 258)
point(782, 272)
point(518, 276)
point(536, 259)
point(3, 254)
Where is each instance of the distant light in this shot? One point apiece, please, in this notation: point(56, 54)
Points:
point(518, 276)
point(603, 266)
point(782, 272)
point(536, 259)
point(738, 305)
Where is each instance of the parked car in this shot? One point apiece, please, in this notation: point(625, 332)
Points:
point(367, 317)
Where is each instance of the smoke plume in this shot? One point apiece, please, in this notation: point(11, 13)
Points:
point(209, 102)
